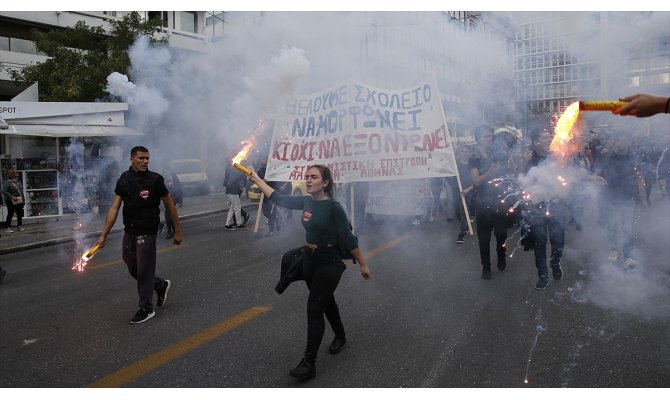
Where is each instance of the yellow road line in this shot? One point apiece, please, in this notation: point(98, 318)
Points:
point(120, 260)
point(386, 246)
point(150, 363)
point(162, 357)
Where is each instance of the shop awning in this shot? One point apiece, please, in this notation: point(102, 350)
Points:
point(70, 130)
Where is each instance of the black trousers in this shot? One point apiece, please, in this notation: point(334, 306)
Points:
point(322, 270)
point(139, 254)
point(271, 212)
point(460, 211)
point(490, 219)
point(14, 209)
point(550, 227)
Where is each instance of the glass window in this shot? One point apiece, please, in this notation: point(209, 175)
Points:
point(4, 43)
point(188, 21)
point(22, 46)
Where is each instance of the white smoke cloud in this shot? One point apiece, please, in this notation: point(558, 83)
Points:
point(203, 104)
point(147, 103)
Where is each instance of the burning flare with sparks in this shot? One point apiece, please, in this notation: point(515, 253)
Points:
point(563, 144)
point(80, 264)
point(249, 143)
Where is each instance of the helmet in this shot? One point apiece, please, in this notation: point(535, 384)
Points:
point(511, 134)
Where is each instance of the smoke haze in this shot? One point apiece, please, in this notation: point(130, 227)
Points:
point(203, 105)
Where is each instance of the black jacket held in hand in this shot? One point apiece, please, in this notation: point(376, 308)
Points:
point(291, 269)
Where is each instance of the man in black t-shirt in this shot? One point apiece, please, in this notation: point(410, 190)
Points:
point(141, 192)
point(490, 214)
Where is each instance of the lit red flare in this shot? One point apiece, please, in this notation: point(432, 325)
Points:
point(242, 168)
point(248, 144)
point(607, 105)
point(563, 144)
point(80, 264)
point(88, 254)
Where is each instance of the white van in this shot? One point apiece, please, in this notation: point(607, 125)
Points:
point(192, 175)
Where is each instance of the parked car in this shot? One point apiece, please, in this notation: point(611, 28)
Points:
point(298, 188)
point(192, 175)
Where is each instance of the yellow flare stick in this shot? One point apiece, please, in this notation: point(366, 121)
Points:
point(607, 105)
point(90, 252)
point(242, 168)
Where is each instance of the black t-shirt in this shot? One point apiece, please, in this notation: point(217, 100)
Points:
point(621, 175)
point(141, 193)
point(486, 194)
point(233, 180)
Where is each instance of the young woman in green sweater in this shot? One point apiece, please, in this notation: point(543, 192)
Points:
point(327, 230)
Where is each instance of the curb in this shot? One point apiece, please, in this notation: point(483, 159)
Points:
point(66, 239)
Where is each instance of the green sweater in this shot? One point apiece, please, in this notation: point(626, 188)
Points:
point(325, 221)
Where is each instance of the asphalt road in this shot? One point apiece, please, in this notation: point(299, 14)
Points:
point(426, 319)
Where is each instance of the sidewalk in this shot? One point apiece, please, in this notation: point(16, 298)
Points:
point(42, 232)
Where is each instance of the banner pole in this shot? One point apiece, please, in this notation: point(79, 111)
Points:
point(353, 212)
point(258, 213)
point(453, 157)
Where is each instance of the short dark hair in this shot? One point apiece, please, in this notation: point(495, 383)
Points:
point(536, 132)
point(481, 131)
point(135, 149)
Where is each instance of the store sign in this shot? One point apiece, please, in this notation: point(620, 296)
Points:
point(60, 113)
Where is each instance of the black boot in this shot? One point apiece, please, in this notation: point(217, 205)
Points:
point(337, 345)
point(305, 370)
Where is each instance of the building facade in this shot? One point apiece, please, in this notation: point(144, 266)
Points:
point(61, 163)
point(562, 57)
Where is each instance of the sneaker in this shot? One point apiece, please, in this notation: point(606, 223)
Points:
point(486, 273)
point(142, 315)
point(162, 294)
point(269, 234)
point(242, 227)
point(229, 228)
point(461, 238)
point(613, 256)
point(557, 272)
point(630, 263)
point(21, 229)
point(9, 230)
point(431, 219)
point(542, 283)
point(416, 222)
